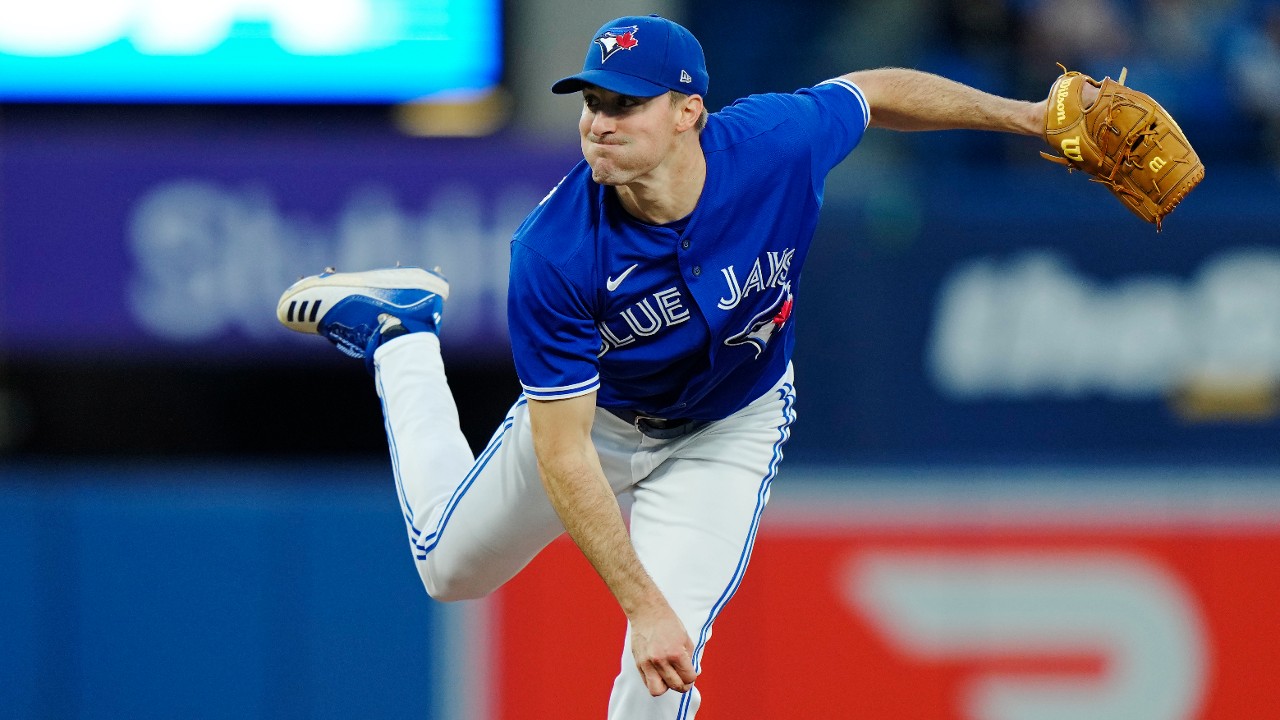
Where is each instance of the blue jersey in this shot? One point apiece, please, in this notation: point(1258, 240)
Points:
point(691, 320)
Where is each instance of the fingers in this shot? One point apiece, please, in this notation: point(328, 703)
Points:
point(652, 680)
point(674, 674)
point(669, 674)
point(663, 652)
point(685, 673)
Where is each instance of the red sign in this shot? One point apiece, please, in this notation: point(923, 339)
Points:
point(1142, 608)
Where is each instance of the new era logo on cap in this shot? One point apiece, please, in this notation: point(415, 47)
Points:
point(685, 77)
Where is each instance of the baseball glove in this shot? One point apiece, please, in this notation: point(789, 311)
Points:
point(1124, 140)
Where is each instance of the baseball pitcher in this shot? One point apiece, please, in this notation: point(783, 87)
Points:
point(651, 306)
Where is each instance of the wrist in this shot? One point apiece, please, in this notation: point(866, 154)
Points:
point(1032, 121)
point(647, 604)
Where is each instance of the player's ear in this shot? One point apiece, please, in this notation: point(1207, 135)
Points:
point(690, 110)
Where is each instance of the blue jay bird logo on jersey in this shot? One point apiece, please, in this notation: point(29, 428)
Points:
point(765, 324)
point(615, 39)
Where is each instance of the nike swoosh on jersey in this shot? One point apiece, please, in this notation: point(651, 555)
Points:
point(612, 284)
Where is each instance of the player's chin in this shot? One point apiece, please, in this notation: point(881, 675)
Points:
point(604, 179)
point(607, 166)
point(606, 174)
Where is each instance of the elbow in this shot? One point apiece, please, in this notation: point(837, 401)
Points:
point(876, 86)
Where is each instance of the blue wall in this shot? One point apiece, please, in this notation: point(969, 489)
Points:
point(210, 591)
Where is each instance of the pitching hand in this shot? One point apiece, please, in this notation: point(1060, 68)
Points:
point(663, 651)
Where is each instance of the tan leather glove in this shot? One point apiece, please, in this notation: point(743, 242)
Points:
point(1123, 140)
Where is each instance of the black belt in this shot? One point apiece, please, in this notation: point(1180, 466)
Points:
point(659, 428)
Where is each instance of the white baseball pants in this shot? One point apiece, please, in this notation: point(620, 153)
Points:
point(474, 522)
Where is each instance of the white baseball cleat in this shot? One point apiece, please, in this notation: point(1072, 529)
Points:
point(357, 311)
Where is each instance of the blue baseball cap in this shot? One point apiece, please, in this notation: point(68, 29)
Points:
point(642, 56)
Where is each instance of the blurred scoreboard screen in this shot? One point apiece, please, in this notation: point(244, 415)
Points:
point(341, 51)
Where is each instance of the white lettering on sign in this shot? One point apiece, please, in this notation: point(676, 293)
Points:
point(209, 259)
point(1033, 326)
point(1132, 613)
point(53, 28)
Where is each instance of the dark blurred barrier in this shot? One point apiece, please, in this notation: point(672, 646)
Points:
point(328, 408)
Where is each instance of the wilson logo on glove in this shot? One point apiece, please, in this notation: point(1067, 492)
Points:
point(1071, 148)
point(1062, 103)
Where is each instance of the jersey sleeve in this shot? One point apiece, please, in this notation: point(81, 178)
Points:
point(821, 124)
point(554, 340)
point(838, 114)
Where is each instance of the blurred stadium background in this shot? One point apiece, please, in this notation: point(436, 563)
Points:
point(1036, 472)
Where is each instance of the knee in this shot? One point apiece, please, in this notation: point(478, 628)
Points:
point(448, 586)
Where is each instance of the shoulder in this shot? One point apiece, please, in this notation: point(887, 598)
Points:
point(808, 109)
point(818, 124)
point(555, 246)
point(561, 224)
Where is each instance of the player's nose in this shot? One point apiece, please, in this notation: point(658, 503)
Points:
point(602, 124)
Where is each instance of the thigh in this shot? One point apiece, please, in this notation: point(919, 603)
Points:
point(495, 521)
point(498, 518)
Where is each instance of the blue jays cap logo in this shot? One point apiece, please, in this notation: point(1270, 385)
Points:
point(615, 39)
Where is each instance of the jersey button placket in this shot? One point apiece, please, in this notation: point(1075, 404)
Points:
point(697, 270)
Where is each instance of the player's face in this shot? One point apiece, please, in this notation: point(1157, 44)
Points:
point(624, 137)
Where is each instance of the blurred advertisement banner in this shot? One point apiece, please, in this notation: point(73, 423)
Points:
point(1010, 596)
point(180, 243)
point(1031, 326)
point(948, 325)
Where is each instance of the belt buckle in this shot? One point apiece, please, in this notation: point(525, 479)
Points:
point(656, 423)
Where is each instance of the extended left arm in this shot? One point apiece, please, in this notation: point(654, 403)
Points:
point(1119, 136)
point(903, 99)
